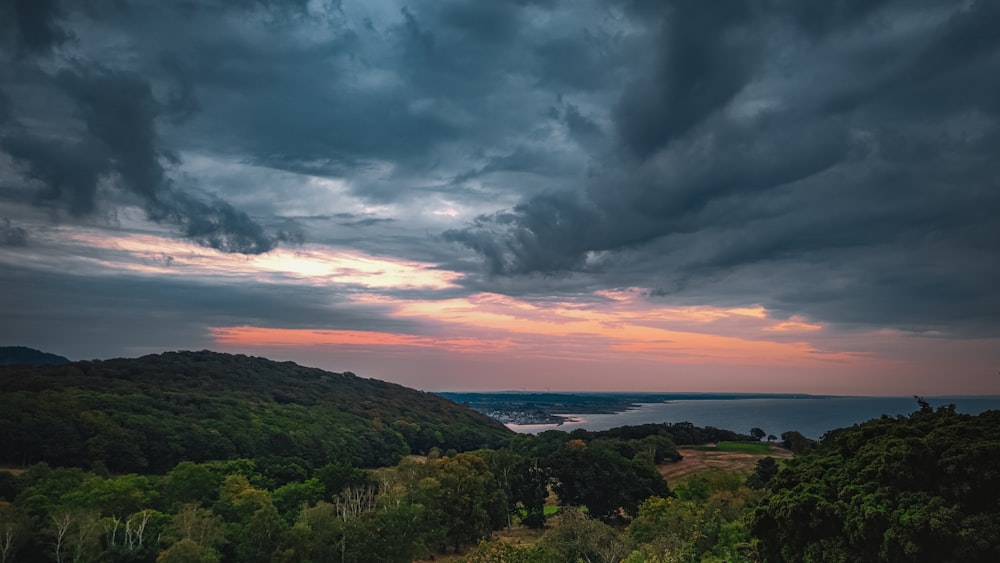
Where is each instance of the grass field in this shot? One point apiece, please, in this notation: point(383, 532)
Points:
point(752, 448)
point(725, 457)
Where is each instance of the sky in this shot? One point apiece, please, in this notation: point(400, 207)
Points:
point(754, 196)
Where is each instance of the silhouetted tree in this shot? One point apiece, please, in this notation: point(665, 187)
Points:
point(762, 474)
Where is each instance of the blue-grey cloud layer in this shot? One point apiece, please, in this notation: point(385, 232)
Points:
point(834, 160)
point(837, 161)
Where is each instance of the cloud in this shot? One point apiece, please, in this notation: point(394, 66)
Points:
point(124, 313)
point(103, 149)
point(835, 163)
point(31, 25)
point(375, 342)
point(829, 163)
point(704, 54)
point(12, 235)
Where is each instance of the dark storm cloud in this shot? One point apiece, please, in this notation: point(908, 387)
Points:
point(116, 143)
point(820, 18)
point(706, 54)
point(423, 88)
point(828, 159)
point(12, 235)
point(31, 25)
point(99, 316)
point(836, 162)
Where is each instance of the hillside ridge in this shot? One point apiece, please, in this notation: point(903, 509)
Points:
point(149, 413)
point(22, 355)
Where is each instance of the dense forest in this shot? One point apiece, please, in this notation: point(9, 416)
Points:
point(21, 355)
point(150, 413)
point(293, 481)
point(919, 488)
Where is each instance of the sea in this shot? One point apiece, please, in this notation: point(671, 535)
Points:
point(812, 417)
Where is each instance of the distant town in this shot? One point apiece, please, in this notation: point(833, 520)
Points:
point(536, 416)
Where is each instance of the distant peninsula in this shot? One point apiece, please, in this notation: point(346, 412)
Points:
point(523, 408)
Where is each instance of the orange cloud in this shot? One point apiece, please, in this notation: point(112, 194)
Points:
point(624, 326)
point(288, 337)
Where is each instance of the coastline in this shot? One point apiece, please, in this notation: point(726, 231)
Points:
point(812, 417)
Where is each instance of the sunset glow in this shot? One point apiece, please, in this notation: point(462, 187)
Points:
point(372, 341)
point(487, 195)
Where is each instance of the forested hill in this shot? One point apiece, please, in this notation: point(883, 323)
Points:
point(147, 414)
point(14, 355)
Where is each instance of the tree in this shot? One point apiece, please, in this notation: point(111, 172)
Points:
point(291, 498)
point(189, 482)
point(584, 473)
point(796, 442)
point(504, 465)
point(529, 489)
point(188, 551)
point(197, 525)
point(578, 538)
point(757, 433)
point(469, 498)
point(134, 536)
point(335, 477)
point(319, 534)
point(917, 488)
point(762, 474)
point(76, 534)
point(503, 552)
point(10, 528)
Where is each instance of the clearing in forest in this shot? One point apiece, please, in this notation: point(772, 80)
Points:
point(726, 456)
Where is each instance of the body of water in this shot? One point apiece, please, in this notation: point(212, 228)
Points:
point(810, 416)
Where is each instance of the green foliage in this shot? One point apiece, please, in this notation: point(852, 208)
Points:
point(576, 537)
point(149, 414)
point(502, 552)
point(335, 477)
point(584, 473)
point(189, 482)
point(187, 551)
point(796, 442)
point(917, 488)
point(753, 448)
point(291, 498)
point(683, 433)
point(765, 470)
point(705, 522)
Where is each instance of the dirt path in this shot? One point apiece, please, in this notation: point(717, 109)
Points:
point(699, 460)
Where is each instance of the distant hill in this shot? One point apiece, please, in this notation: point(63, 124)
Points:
point(22, 355)
point(147, 414)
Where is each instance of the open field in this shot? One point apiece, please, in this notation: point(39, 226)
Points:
point(755, 448)
point(726, 456)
